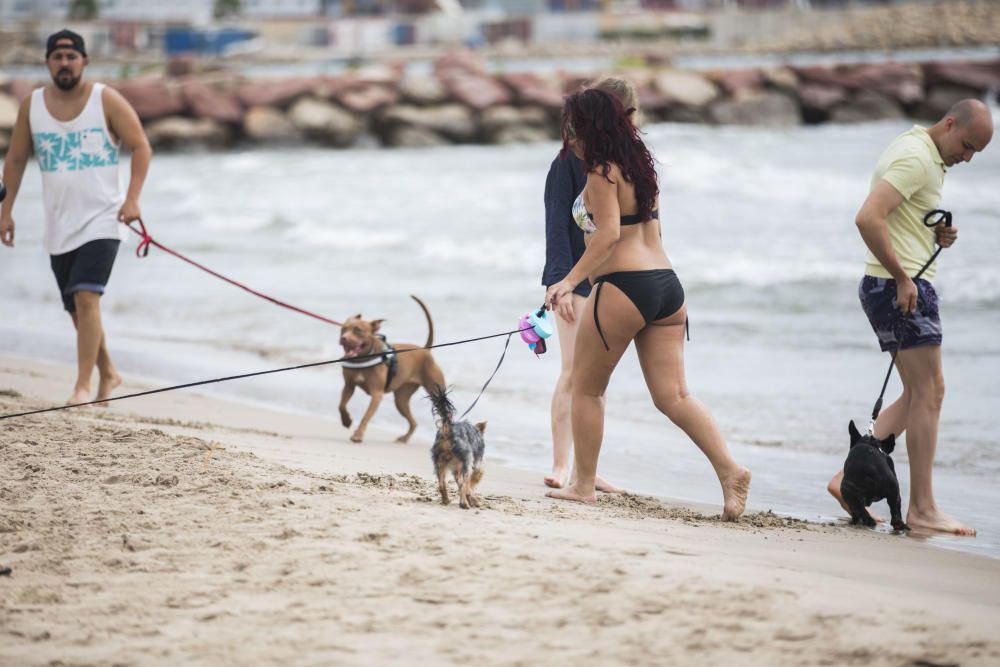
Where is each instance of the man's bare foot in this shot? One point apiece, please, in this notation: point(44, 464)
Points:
point(605, 487)
point(834, 488)
point(734, 494)
point(572, 492)
point(939, 522)
point(79, 396)
point(106, 386)
point(557, 479)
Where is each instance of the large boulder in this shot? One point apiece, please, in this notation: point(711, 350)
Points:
point(182, 132)
point(477, 92)
point(465, 61)
point(757, 107)
point(406, 136)
point(280, 93)
point(204, 101)
point(866, 106)
point(780, 78)
point(453, 121)
point(268, 124)
point(818, 100)
point(152, 98)
point(940, 98)
point(978, 76)
point(520, 134)
point(422, 90)
point(325, 122)
point(8, 112)
point(366, 98)
point(501, 124)
point(684, 88)
point(903, 83)
point(530, 88)
point(738, 80)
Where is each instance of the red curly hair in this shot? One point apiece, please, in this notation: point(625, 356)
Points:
point(602, 125)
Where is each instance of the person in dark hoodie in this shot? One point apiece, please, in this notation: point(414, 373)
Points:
point(563, 248)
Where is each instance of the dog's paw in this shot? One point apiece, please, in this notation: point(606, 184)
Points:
point(345, 419)
point(901, 527)
point(357, 437)
point(403, 439)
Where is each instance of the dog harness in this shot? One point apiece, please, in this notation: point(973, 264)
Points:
point(388, 357)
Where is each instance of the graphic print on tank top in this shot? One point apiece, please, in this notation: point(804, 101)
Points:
point(74, 151)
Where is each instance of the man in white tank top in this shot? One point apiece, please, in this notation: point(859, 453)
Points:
point(75, 129)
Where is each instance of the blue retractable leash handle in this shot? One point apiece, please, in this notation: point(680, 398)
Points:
point(931, 219)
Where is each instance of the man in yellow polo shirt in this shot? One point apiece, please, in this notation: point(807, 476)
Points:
point(906, 185)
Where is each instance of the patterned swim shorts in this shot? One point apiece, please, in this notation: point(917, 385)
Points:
point(878, 298)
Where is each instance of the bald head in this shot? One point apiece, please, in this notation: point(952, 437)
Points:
point(969, 112)
point(966, 129)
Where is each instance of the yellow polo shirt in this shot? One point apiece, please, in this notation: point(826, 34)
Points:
point(912, 165)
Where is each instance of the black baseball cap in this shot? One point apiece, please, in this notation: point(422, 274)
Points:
point(64, 35)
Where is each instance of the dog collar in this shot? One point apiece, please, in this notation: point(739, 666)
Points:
point(383, 356)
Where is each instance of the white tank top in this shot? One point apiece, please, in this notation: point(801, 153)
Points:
point(81, 190)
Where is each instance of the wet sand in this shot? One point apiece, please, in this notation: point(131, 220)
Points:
point(184, 529)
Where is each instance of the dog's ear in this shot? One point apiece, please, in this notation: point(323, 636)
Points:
point(888, 444)
point(376, 324)
point(855, 436)
point(482, 427)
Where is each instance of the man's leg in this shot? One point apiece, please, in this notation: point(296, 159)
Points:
point(90, 347)
point(922, 375)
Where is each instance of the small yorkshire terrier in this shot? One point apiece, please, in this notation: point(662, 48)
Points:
point(458, 448)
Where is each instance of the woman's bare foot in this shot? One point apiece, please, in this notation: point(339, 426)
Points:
point(557, 479)
point(605, 487)
point(834, 488)
point(572, 492)
point(79, 396)
point(937, 521)
point(735, 488)
point(106, 386)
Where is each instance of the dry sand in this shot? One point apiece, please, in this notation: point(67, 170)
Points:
point(183, 529)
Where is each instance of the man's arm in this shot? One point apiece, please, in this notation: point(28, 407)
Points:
point(872, 222)
point(124, 123)
point(13, 170)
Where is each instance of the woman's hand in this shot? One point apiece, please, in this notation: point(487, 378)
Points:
point(559, 299)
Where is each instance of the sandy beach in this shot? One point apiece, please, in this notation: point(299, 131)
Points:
point(184, 529)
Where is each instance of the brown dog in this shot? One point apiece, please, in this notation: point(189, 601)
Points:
point(401, 374)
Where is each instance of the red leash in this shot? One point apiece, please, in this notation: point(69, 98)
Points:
point(147, 240)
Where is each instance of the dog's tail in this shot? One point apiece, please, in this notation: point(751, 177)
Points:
point(430, 322)
point(444, 411)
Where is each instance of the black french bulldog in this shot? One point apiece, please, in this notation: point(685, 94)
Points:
point(870, 476)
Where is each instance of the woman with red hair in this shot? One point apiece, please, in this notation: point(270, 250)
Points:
point(636, 296)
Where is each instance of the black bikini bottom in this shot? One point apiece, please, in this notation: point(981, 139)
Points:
point(657, 293)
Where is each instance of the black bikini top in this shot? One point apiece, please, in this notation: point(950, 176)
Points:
point(585, 221)
point(634, 218)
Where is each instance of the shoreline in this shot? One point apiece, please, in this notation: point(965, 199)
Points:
point(315, 431)
point(191, 529)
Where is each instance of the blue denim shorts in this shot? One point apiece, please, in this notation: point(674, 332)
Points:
point(923, 327)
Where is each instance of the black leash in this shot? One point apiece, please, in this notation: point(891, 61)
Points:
point(281, 370)
point(932, 219)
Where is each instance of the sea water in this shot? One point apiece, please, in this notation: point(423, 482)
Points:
point(759, 226)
